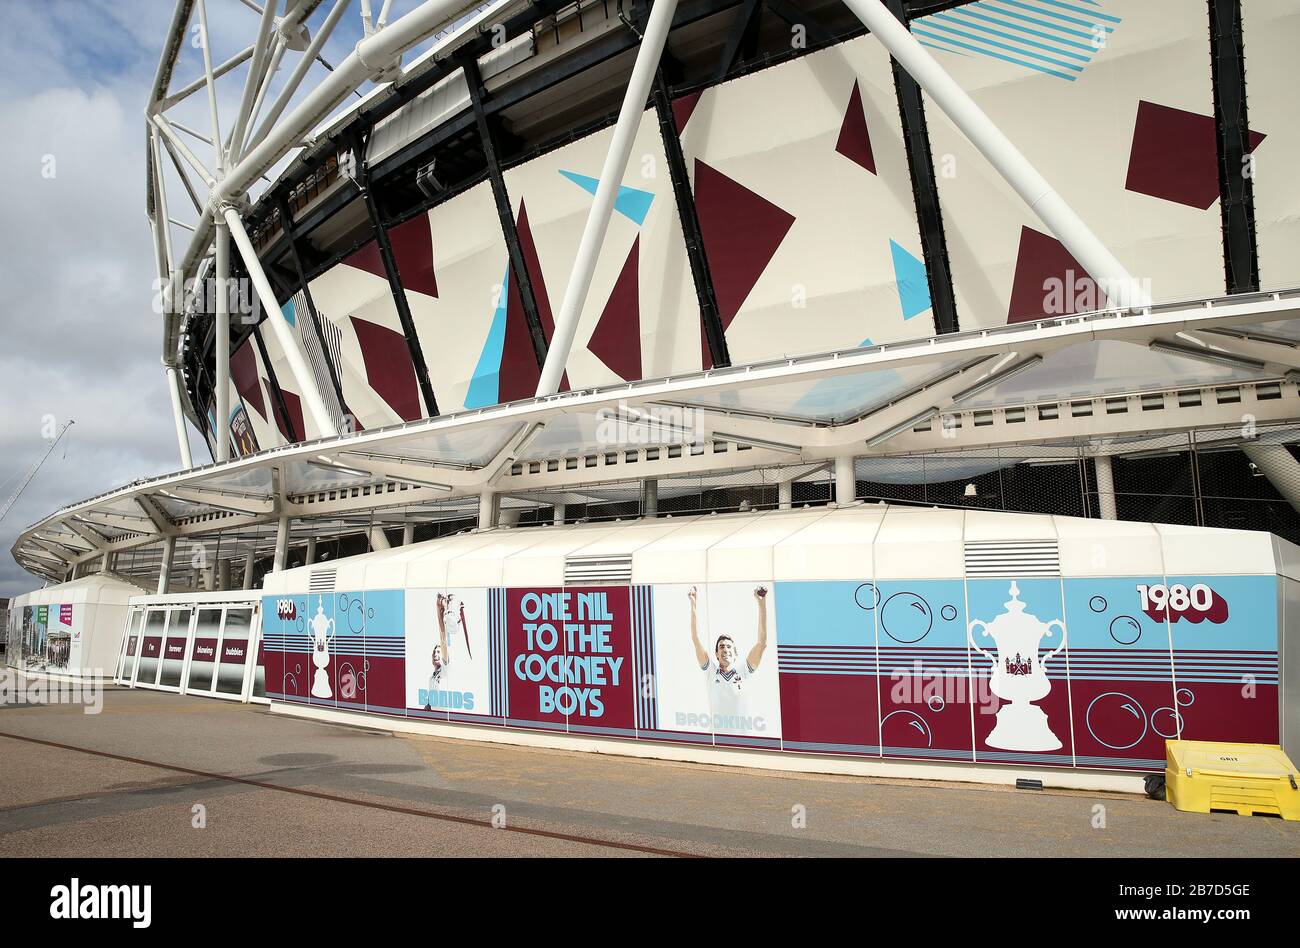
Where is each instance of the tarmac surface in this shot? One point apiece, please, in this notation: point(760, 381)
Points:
point(157, 774)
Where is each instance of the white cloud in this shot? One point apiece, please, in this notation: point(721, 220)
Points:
point(79, 337)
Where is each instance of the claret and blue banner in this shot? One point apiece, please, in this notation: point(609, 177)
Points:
point(1044, 671)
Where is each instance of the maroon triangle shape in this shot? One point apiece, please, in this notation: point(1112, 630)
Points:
point(855, 141)
point(413, 250)
point(684, 108)
point(243, 371)
point(617, 339)
point(293, 405)
point(742, 231)
point(368, 259)
point(388, 367)
point(1049, 282)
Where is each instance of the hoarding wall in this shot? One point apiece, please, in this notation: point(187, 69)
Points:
point(46, 637)
point(1092, 673)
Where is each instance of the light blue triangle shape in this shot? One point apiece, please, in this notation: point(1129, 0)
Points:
point(913, 283)
point(485, 383)
point(290, 316)
point(631, 203)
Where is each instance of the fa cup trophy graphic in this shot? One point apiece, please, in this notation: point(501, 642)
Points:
point(1019, 676)
point(320, 653)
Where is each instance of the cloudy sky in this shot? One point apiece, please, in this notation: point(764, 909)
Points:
point(80, 338)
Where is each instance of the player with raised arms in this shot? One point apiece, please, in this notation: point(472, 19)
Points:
point(447, 612)
point(729, 684)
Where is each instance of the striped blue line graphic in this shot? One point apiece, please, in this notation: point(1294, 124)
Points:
point(1051, 37)
point(499, 699)
point(643, 658)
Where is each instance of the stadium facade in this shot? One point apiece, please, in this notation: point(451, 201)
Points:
point(738, 272)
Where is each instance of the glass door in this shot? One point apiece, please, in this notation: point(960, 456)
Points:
point(201, 673)
point(130, 647)
point(257, 677)
point(146, 666)
point(236, 653)
point(171, 667)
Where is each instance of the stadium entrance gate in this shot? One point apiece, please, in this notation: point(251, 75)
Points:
point(194, 643)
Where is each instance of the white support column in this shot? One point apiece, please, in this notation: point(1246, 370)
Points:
point(408, 534)
point(178, 416)
point(293, 353)
point(785, 495)
point(1112, 277)
point(379, 539)
point(650, 498)
point(250, 562)
point(170, 295)
point(311, 551)
point(165, 571)
point(611, 177)
point(1276, 463)
point(106, 563)
point(221, 237)
point(487, 510)
point(223, 575)
point(846, 482)
point(281, 544)
point(1106, 507)
point(558, 512)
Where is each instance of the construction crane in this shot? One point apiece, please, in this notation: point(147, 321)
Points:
point(13, 498)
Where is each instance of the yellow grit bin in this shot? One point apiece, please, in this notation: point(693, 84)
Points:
point(1247, 779)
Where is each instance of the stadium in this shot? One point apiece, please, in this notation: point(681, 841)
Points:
point(540, 347)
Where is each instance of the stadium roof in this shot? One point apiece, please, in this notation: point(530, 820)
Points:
point(1112, 378)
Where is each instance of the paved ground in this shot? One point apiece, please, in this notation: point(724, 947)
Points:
point(272, 785)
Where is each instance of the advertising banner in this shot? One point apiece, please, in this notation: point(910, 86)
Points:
point(1120, 672)
point(1224, 632)
point(568, 655)
point(715, 656)
point(1034, 670)
point(241, 432)
point(335, 649)
point(448, 665)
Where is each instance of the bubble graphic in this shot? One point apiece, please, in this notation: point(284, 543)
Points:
point(1116, 720)
point(935, 703)
point(906, 730)
point(906, 617)
point(948, 612)
point(1181, 701)
point(1171, 720)
point(1097, 603)
point(867, 596)
point(1125, 630)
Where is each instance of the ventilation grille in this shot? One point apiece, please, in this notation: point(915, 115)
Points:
point(322, 580)
point(592, 570)
point(1013, 558)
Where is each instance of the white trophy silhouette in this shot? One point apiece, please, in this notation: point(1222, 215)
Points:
point(1019, 676)
point(320, 653)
